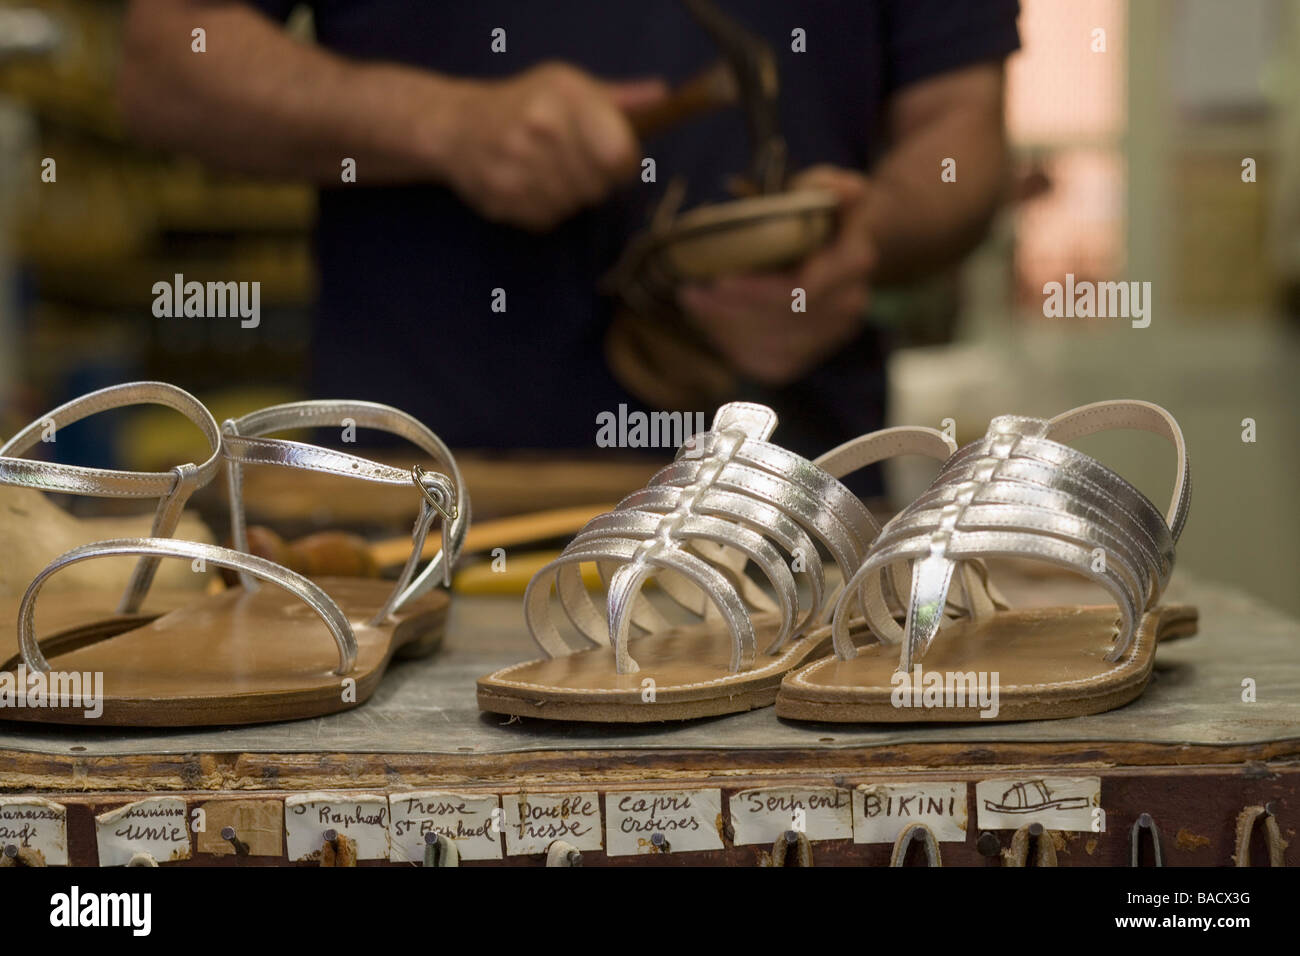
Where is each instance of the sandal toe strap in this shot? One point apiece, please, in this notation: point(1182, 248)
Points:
point(339, 628)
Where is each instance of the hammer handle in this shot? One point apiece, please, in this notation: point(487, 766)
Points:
point(703, 93)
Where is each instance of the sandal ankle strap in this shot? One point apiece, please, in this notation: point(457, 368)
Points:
point(1142, 416)
point(442, 493)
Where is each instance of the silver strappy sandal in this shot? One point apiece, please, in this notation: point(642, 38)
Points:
point(730, 501)
point(85, 604)
point(251, 654)
point(1019, 492)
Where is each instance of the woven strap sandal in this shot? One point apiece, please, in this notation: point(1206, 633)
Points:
point(1019, 492)
point(253, 654)
point(84, 612)
point(731, 500)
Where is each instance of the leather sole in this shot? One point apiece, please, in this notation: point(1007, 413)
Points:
point(233, 658)
point(1049, 664)
point(687, 667)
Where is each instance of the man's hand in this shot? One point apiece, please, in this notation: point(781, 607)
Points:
point(534, 149)
point(530, 149)
point(749, 320)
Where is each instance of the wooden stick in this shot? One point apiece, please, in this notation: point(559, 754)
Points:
point(498, 533)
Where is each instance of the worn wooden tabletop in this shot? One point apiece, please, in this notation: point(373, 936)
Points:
point(1192, 712)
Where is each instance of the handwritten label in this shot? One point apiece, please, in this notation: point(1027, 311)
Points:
point(158, 826)
point(536, 820)
point(32, 823)
point(882, 810)
point(360, 817)
point(822, 813)
point(688, 819)
point(469, 819)
point(1058, 803)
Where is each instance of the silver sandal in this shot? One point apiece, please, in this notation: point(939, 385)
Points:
point(1019, 492)
point(251, 654)
point(731, 499)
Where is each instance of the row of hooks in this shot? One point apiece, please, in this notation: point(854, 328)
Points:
point(1031, 845)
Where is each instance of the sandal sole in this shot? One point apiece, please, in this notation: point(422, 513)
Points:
point(236, 658)
point(1048, 661)
point(580, 686)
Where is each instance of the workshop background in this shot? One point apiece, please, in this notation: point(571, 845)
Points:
point(1129, 167)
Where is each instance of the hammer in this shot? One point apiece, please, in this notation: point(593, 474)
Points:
point(708, 90)
point(747, 73)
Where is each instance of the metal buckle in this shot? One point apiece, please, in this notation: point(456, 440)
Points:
point(443, 485)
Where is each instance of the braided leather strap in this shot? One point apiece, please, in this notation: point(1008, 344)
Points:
point(1018, 492)
point(730, 499)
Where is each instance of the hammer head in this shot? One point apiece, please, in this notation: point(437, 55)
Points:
point(757, 79)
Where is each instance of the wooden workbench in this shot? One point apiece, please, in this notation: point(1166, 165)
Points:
point(1191, 753)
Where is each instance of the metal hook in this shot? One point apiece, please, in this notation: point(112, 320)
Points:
point(230, 836)
point(342, 851)
point(921, 833)
point(443, 486)
point(560, 853)
point(1031, 845)
point(11, 854)
point(792, 845)
point(660, 843)
point(1144, 822)
point(1248, 821)
point(440, 850)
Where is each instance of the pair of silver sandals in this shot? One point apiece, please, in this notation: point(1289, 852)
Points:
point(942, 643)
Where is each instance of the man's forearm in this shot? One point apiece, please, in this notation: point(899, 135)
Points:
point(919, 222)
point(260, 101)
